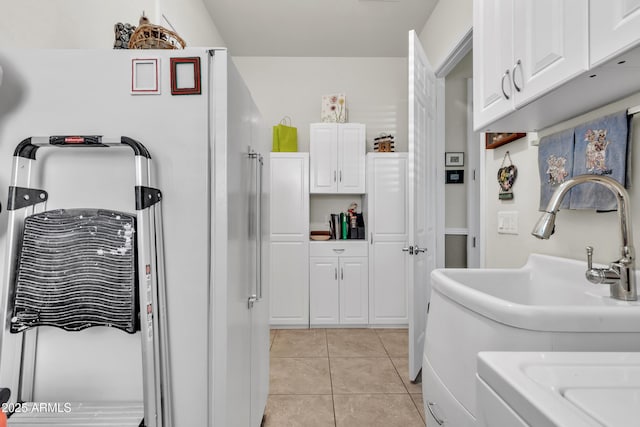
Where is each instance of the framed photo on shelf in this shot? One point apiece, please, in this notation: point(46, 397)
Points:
point(494, 140)
point(453, 159)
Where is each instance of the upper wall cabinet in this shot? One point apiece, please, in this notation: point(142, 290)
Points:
point(337, 155)
point(523, 49)
point(614, 28)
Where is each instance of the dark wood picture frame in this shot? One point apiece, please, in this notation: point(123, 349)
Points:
point(495, 140)
point(176, 87)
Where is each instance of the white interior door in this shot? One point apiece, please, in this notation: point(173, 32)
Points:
point(422, 196)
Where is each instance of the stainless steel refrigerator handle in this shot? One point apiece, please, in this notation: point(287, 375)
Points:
point(259, 226)
point(257, 296)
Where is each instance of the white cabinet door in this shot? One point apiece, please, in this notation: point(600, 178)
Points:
point(389, 292)
point(289, 184)
point(337, 152)
point(351, 158)
point(324, 292)
point(550, 45)
point(492, 59)
point(289, 234)
point(388, 225)
point(354, 290)
point(524, 49)
point(323, 152)
point(289, 279)
point(614, 27)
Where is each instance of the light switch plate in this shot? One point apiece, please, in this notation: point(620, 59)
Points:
point(508, 222)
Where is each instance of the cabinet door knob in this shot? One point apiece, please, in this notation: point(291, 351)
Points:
point(334, 176)
point(335, 273)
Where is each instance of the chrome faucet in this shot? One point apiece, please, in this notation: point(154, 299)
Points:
point(620, 275)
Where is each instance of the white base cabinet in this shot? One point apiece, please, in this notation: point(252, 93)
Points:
point(338, 283)
point(289, 281)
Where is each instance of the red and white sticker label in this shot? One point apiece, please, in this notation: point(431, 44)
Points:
point(74, 140)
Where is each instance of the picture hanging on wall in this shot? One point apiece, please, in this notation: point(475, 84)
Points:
point(453, 159)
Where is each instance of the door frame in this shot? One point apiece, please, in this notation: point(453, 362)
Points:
point(475, 159)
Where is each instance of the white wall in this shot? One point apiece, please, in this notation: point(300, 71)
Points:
point(192, 22)
point(574, 229)
point(447, 25)
point(89, 23)
point(456, 140)
point(376, 90)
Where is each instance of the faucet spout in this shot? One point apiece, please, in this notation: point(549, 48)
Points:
point(623, 287)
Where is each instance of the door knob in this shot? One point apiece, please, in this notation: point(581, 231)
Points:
point(409, 249)
point(418, 249)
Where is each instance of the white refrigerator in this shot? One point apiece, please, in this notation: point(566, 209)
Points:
point(195, 115)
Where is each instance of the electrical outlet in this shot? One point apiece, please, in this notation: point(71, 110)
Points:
point(508, 222)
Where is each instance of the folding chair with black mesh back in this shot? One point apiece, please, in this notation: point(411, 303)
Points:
point(79, 268)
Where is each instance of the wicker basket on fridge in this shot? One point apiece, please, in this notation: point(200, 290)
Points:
point(151, 36)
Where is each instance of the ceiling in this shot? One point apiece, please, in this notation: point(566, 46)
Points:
point(365, 28)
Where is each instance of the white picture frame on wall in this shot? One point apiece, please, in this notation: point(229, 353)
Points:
point(145, 76)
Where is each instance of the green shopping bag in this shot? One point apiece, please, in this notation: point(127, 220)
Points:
point(285, 137)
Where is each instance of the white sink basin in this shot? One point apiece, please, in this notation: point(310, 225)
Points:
point(560, 389)
point(547, 305)
point(548, 293)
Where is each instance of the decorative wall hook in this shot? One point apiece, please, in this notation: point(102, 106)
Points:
point(506, 177)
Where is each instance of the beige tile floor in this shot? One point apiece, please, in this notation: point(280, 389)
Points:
point(342, 378)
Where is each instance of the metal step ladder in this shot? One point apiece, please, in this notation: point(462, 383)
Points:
point(81, 268)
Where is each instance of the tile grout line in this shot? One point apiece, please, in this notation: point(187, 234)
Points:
point(403, 383)
point(394, 365)
point(271, 340)
point(333, 401)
